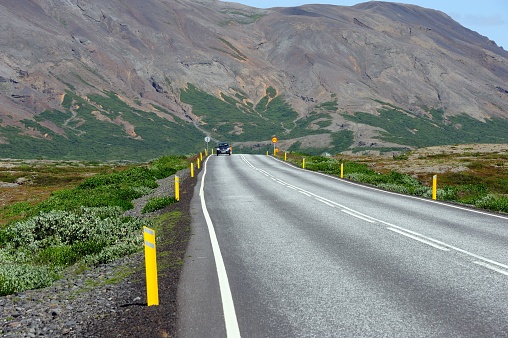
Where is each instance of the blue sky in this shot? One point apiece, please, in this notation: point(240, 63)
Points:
point(487, 17)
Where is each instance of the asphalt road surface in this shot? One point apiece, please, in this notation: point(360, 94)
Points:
point(278, 251)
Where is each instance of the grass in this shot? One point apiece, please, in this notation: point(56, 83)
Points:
point(79, 226)
point(41, 179)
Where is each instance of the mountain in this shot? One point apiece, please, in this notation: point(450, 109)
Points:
point(132, 79)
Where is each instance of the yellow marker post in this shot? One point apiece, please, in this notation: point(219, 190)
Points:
point(434, 187)
point(206, 152)
point(199, 163)
point(342, 170)
point(303, 163)
point(152, 288)
point(192, 170)
point(285, 156)
point(201, 156)
point(267, 152)
point(177, 188)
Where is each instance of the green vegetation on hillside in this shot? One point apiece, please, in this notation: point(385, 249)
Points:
point(233, 51)
point(97, 130)
point(240, 17)
point(237, 120)
point(341, 141)
point(419, 131)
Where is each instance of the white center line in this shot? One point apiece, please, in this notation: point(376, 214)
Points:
point(419, 239)
point(325, 202)
point(303, 192)
point(354, 214)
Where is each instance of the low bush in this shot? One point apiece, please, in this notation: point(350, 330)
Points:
point(17, 278)
point(394, 187)
point(493, 202)
point(48, 243)
point(157, 203)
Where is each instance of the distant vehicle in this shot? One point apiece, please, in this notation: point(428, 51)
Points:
point(223, 148)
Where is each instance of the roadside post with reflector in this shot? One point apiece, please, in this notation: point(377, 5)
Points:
point(177, 188)
point(434, 187)
point(274, 141)
point(152, 288)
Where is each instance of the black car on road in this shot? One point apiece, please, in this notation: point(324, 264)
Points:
point(223, 148)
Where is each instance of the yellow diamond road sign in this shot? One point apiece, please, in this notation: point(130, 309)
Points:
point(274, 139)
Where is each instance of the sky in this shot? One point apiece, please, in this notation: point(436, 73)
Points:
point(487, 17)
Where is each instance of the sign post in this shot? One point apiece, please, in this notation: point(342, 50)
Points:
point(207, 139)
point(274, 141)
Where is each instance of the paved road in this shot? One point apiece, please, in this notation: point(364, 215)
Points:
point(301, 254)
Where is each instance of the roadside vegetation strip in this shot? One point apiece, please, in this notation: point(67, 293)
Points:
point(82, 225)
point(157, 203)
point(474, 188)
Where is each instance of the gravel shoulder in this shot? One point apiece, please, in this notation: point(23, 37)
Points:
point(110, 300)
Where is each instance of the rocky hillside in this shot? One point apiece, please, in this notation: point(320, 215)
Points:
point(131, 79)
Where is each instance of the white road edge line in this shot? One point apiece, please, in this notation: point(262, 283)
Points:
point(418, 239)
point(228, 306)
point(492, 267)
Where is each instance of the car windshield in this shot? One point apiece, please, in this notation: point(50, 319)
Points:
point(223, 144)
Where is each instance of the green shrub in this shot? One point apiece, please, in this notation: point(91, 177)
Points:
point(111, 253)
point(65, 227)
point(447, 194)
point(157, 203)
point(394, 187)
point(493, 202)
point(17, 278)
point(423, 191)
point(65, 255)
